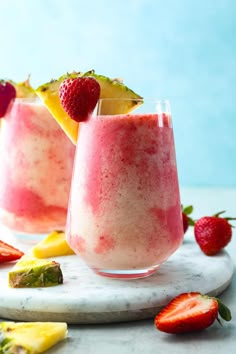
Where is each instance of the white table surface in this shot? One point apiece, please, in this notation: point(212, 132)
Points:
point(141, 336)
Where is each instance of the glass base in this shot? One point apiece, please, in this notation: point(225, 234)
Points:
point(125, 274)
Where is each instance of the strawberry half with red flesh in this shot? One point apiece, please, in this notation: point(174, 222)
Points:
point(191, 312)
point(7, 93)
point(213, 233)
point(79, 97)
point(9, 253)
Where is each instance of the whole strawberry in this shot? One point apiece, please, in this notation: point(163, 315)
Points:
point(79, 97)
point(213, 233)
point(7, 93)
point(191, 312)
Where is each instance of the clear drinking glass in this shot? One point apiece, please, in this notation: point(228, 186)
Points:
point(124, 214)
point(36, 161)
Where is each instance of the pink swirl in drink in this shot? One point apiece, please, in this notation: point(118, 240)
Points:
point(36, 159)
point(124, 216)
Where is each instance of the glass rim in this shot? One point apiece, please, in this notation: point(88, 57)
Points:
point(140, 105)
point(139, 99)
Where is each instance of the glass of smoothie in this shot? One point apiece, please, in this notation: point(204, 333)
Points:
point(36, 159)
point(124, 215)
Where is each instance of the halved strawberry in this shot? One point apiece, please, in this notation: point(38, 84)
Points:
point(190, 312)
point(79, 97)
point(7, 93)
point(9, 253)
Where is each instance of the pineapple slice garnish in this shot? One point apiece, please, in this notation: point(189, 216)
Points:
point(49, 94)
point(110, 88)
point(53, 245)
point(30, 337)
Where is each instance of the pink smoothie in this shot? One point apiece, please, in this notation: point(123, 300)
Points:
point(36, 159)
point(124, 210)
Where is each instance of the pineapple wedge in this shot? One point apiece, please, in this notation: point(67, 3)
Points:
point(110, 88)
point(49, 95)
point(53, 245)
point(30, 272)
point(30, 337)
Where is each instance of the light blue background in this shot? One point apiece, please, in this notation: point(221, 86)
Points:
point(178, 49)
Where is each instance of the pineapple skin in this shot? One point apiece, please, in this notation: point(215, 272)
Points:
point(38, 276)
point(102, 79)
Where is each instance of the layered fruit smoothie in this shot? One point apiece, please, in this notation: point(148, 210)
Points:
point(36, 159)
point(124, 216)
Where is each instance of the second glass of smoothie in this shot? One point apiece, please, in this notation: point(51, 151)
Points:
point(124, 215)
point(36, 159)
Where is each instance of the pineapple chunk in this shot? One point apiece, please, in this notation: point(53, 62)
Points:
point(109, 89)
point(30, 272)
point(30, 337)
point(53, 245)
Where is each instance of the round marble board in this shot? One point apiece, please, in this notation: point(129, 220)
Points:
point(85, 297)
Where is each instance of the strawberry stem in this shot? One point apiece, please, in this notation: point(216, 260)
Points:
point(219, 213)
point(226, 217)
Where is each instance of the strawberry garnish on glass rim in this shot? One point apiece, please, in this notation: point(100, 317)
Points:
point(7, 93)
point(79, 97)
point(213, 233)
point(191, 312)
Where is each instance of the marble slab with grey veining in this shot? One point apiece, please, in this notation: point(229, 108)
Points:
point(85, 297)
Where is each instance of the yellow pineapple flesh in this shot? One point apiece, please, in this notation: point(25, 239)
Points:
point(53, 245)
point(49, 94)
point(30, 337)
point(110, 88)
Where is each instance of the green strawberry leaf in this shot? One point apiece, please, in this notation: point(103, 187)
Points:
point(219, 321)
point(224, 311)
point(188, 209)
point(191, 222)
